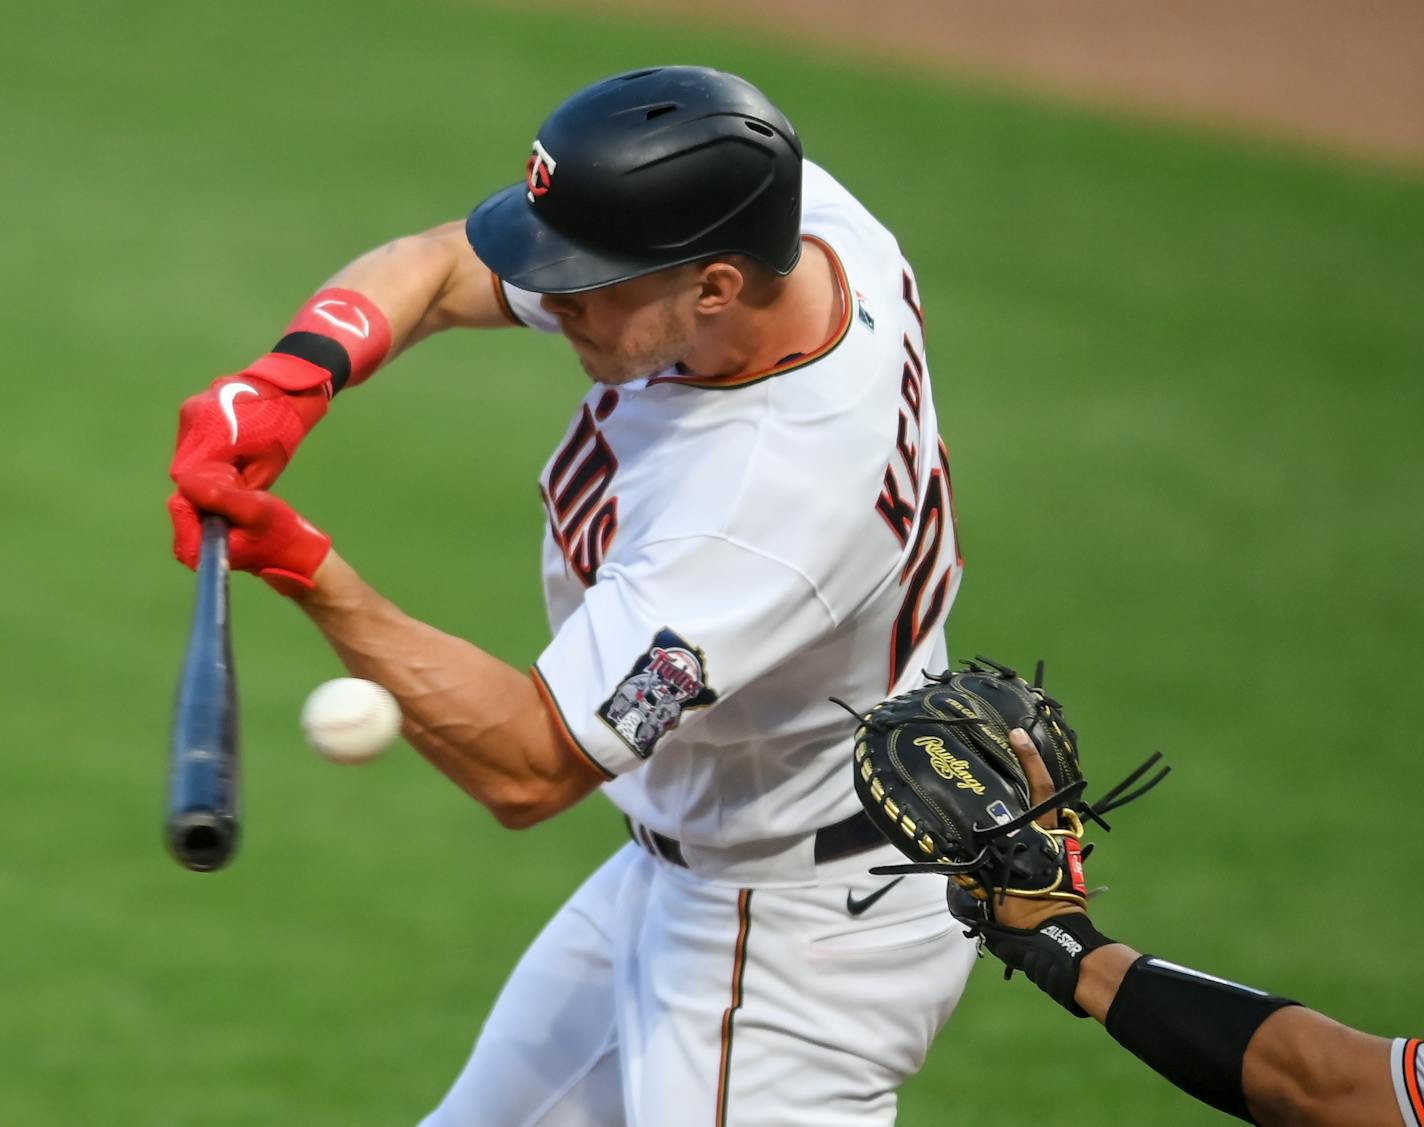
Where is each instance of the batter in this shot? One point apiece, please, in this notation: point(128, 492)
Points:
point(750, 512)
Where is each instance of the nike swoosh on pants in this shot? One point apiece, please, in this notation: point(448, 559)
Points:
point(856, 907)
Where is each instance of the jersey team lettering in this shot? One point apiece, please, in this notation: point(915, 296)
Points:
point(670, 677)
point(582, 520)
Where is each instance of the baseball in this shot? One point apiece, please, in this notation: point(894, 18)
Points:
point(350, 720)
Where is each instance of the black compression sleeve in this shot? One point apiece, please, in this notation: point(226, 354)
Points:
point(1191, 1027)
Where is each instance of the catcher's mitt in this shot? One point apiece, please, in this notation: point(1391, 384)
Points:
point(936, 774)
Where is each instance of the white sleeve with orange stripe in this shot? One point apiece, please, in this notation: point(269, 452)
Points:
point(524, 306)
point(660, 639)
point(1406, 1066)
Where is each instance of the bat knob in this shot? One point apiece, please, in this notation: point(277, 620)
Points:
point(201, 840)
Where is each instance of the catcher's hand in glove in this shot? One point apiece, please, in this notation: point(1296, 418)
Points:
point(936, 771)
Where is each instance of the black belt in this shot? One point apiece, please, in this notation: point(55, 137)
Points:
point(845, 838)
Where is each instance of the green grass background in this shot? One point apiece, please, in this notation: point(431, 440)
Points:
point(1179, 376)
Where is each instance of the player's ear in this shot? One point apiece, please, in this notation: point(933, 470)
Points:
point(719, 284)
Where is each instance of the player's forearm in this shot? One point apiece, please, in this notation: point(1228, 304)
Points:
point(1299, 1067)
point(1302, 1068)
point(474, 717)
point(425, 283)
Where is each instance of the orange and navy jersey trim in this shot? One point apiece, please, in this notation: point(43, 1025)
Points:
point(838, 334)
point(1407, 1083)
point(739, 966)
point(503, 299)
point(561, 725)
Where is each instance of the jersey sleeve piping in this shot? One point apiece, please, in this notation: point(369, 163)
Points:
point(733, 542)
point(503, 299)
point(1408, 1060)
point(556, 713)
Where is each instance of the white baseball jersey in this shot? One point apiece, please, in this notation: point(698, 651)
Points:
point(724, 555)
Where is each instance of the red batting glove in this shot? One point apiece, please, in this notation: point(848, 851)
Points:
point(266, 536)
point(250, 424)
point(255, 420)
point(247, 423)
point(244, 424)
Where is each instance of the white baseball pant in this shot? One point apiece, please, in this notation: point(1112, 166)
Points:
point(657, 998)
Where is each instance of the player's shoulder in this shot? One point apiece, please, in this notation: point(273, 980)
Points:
point(829, 210)
point(867, 257)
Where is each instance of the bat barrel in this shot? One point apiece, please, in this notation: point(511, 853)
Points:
point(201, 827)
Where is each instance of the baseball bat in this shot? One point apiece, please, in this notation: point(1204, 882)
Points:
point(201, 827)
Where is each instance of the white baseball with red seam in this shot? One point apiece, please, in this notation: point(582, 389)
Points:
point(350, 720)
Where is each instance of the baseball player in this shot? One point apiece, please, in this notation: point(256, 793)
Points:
point(1262, 1058)
point(749, 512)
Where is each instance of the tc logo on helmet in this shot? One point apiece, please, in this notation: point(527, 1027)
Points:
point(539, 171)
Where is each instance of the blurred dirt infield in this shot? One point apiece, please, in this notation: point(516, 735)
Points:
point(1347, 74)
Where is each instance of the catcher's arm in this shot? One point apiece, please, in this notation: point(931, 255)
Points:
point(1262, 1058)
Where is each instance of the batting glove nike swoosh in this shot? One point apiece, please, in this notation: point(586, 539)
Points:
point(247, 423)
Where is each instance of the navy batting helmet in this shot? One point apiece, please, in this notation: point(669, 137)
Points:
point(643, 171)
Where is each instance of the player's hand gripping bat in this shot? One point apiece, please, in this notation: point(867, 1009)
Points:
point(201, 827)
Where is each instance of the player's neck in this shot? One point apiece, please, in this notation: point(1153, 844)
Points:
point(799, 318)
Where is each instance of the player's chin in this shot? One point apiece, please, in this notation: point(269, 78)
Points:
point(599, 373)
point(595, 365)
point(609, 371)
